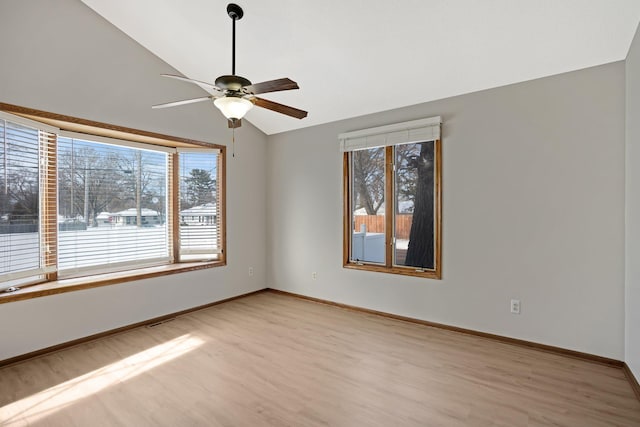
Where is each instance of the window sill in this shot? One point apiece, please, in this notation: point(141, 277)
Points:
point(405, 271)
point(95, 281)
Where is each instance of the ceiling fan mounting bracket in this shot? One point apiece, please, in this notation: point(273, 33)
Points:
point(234, 11)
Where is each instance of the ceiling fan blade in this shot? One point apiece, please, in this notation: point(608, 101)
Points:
point(279, 108)
point(183, 102)
point(198, 82)
point(270, 86)
point(235, 123)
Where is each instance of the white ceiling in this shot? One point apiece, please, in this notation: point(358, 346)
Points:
point(354, 57)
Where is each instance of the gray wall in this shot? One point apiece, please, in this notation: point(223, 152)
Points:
point(533, 209)
point(60, 56)
point(632, 300)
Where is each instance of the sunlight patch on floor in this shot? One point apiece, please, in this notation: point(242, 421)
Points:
point(46, 402)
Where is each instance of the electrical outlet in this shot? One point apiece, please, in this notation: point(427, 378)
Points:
point(515, 306)
point(314, 275)
point(250, 271)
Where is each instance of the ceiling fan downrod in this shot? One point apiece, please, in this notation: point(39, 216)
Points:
point(235, 12)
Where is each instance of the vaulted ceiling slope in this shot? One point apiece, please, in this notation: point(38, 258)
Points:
point(355, 57)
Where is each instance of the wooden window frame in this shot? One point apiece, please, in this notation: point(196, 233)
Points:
point(388, 266)
point(50, 284)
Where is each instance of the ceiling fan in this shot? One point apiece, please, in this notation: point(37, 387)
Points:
point(235, 95)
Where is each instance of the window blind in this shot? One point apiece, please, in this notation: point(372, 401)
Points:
point(199, 212)
point(112, 206)
point(394, 134)
point(22, 232)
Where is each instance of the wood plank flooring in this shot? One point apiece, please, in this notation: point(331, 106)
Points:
point(274, 360)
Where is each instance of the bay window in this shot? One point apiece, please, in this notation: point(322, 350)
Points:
point(118, 200)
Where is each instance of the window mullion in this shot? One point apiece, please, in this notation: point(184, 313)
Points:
point(347, 216)
point(388, 206)
point(222, 203)
point(174, 214)
point(49, 201)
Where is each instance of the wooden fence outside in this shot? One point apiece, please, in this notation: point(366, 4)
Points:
point(375, 224)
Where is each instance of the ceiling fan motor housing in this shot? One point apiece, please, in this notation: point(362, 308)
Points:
point(232, 83)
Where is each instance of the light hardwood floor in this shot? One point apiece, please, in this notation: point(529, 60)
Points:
point(274, 360)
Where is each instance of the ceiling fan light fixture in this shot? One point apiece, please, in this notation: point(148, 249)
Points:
point(233, 107)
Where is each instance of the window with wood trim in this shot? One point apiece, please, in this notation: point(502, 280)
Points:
point(75, 204)
point(392, 198)
point(199, 207)
point(20, 225)
point(112, 203)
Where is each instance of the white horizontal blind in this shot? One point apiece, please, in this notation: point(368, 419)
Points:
point(20, 174)
point(199, 205)
point(398, 133)
point(112, 207)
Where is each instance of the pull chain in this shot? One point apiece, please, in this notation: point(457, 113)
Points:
point(233, 140)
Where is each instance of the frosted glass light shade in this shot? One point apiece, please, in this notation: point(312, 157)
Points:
point(233, 107)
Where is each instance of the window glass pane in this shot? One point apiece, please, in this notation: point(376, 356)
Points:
point(367, 205)
point(19, 202)
point(111, 206)
point(199, 206)
point(414, 205)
